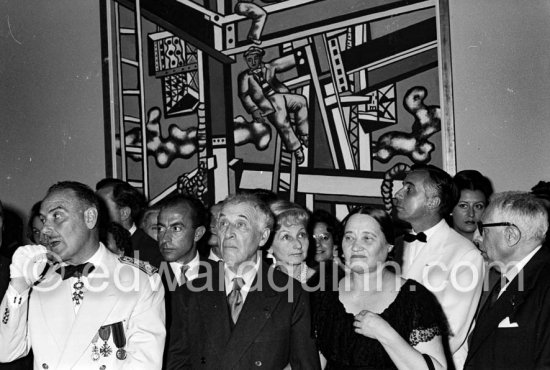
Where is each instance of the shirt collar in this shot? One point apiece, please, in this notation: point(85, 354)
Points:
point(248, 276)
point(212, 256)
point(514, 271)
point(133, 229)
point(193, 270)
point(432, 230)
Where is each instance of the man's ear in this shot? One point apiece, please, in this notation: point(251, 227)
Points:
point(125, 213)
point(390, 247)
point(265, 237)
point(199, 232)
point(90, 217)
point(433, 202)
point(512, 235)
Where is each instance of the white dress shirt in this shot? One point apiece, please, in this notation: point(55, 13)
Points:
point(191, 273)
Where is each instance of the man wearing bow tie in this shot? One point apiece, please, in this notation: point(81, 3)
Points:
point(89, 308)
point(435, 255)
point(512, 329)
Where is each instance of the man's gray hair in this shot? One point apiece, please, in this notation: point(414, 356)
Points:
point(523, 210)
point(265, 216)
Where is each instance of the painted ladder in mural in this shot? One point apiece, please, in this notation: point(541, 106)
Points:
point(130, 93)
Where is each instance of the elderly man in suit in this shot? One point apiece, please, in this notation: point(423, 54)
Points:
point(124, 205)
point(242, 314)
point(512, 330)
point(435, 255)
point(93, 310)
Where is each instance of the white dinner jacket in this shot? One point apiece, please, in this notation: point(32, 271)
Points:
point(452, 268)
point(61, 339)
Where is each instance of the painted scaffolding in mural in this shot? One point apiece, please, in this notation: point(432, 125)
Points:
point(322, 111)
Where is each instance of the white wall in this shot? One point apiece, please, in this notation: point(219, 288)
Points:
point(501, 62)
point(51, 125)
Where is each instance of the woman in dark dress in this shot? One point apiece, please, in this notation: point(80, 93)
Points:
point(367, 317)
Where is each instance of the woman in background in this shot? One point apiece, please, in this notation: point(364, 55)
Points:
point(475, 191)
point(324, 230)
point(35, 224)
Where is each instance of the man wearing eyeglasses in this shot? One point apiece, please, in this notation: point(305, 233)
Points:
point(512, 329)
point(445, 262)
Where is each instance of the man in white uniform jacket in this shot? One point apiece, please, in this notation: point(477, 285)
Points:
point(94, 310)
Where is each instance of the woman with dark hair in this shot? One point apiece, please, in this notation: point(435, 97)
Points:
point(117, 239)
point(325, 231)
point(35, 224)
point(475, 191)
point(366, 317)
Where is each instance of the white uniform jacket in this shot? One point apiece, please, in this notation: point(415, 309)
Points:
point(124, 297)
point(452, 268)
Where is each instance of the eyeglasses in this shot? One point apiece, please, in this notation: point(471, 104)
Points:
point(481, 225)
point(322, 237)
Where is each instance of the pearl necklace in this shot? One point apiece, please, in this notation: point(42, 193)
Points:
point(303, 273)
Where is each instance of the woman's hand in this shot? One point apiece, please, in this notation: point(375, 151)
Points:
point(372, 325)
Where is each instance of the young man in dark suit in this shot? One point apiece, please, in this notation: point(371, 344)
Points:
point(512, 330)
point(124, 205)
point(242, 314)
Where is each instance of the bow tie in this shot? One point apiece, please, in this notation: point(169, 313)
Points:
point(409, 238)
point(75, 270)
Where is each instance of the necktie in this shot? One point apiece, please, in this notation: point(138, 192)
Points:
point(75, 270)
point(235, 299)
point(409, 238)
point(183, 278)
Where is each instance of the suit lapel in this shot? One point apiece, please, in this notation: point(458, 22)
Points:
point(213, 309)
point(96, 306)
point(258, 307)
point(508, 302)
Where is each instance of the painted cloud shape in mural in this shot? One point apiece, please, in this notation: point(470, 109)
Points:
point(184, 143)
point(178, 144)
point(257, 133)
point(415, 144)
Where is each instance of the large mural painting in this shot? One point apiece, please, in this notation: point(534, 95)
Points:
point(325, 102)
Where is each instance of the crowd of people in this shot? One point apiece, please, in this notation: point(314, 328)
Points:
point(455, 278)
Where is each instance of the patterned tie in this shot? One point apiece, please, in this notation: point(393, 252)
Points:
point(235, 299)
point(183, 277)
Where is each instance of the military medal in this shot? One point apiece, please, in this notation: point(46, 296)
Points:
point(78, 294)
point(120, 340)
point(95, 350)
point(104, 334)
point(121, 354)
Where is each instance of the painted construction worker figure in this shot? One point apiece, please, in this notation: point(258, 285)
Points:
point(264, 96)
point(257, 14)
